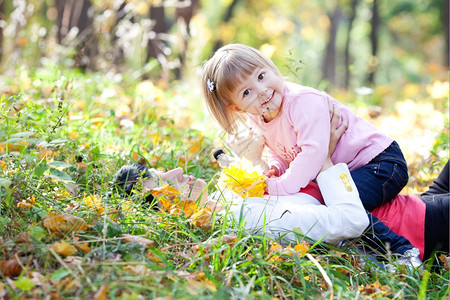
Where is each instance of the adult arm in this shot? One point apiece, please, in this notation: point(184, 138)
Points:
point(342, 217)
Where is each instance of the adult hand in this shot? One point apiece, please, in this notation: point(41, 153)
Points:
point(336, 130)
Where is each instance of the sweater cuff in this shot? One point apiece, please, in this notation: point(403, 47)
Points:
point(275, 188)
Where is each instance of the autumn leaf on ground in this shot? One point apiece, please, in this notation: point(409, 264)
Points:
point(375, 289)
point(202, 218)
point(94, 203)
point(445, 259)
point(64, 248)
point(101, 293)
point(140, 269)
point(64, 223)
point(226, 239)
point(190, 276)
point(10, 267)
point(170, 202)
point(22, 238)
point(27, 203)
point(302, 248)
point(144, 242)
point(83, 247)
point(166, 190)
point(73, 261)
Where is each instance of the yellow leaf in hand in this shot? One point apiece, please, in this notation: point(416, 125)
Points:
point(244, 179)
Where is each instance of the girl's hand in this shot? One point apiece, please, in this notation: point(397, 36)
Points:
point(272, 172)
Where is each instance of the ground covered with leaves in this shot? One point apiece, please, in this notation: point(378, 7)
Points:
point(65, 234)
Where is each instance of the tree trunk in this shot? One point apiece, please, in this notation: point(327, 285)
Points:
point(446, 30)
point(375, 22)
point(347, 43)
point(184, 15)
point(2, 17)
point(155, 46)
point(226, 18)
point(329, 63)
point(75, 14)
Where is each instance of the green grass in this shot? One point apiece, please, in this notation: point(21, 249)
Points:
point(62, 141)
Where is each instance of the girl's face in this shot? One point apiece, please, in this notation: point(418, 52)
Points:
point(261, 94)
point(189, 186)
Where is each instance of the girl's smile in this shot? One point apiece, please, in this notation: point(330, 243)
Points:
point(260, 94)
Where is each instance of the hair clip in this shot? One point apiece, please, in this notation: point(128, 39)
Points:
point(211, 85)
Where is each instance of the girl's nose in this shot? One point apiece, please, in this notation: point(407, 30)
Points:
point(262, 92)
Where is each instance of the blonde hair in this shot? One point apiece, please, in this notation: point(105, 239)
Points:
point(223, 72)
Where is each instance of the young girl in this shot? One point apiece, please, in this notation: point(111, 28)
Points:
point(239, 80)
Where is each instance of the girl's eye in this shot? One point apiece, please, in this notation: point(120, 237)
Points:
point(246, 93)
point(261, 76)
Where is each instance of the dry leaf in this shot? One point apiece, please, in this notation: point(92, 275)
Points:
point(27, 203)
point(139, 270)
point(166, 190)
point(129, 238)
point(23, 237)
point(68, 283)
point(83, 247)
point(94, 203)
point(202, 218)
point(73, 261)
point(375, 288)
point(101, 293)
point(2, 291)
point(64, 223)
point(64, 248)
point(10, 267)
point(302, 248)
point(226, 239)
point(445, 259)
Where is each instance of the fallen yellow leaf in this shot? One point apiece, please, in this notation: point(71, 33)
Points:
point(375, 288)
point(101, 293)
point(226, 239)
point(129, 238)
point(64, 248)
point(83, 247)
point(94, 203)
point(64, 223)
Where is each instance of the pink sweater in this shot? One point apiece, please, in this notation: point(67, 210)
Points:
point(297, 139)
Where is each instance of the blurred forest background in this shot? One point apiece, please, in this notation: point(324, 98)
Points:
point(346, 43)
point(379, 56)
point(87, 86)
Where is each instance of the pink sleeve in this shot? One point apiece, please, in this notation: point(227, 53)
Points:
point(311, 121)
point(277, 161)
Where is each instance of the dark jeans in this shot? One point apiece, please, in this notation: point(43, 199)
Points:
point(379, 182)
point(436, 215)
